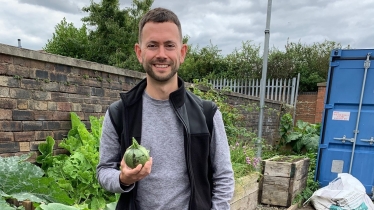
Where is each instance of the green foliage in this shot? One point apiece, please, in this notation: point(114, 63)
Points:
point(115, 32)
point(76, 173)
point(54, 206)
point(241, 140)
point(311, 61)
point(243, 158)
point(201, 62)
point(243, 63)
point(311, 185)
point(110, 38)
point(68, 40)
point(303, 135)
point(46, 150)
point(285, 127)
point(22, 180)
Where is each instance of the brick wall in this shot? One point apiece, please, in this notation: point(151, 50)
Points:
point(310, 106)
point(249, 108)
point(306, 107)
point(39, 90)
point(320, 101)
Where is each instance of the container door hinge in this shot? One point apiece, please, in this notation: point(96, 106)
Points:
point(334, 64)
point(329, 106)
point(367, 61)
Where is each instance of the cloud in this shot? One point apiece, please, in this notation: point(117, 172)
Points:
point(225, 23)
point(66, 6)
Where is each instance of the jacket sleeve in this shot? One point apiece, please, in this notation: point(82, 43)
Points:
point(223, 175)
point(110, 159)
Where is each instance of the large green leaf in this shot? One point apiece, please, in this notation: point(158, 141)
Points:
point(96, 127)
point(17, 168)
point(56, 206)
point(71, 144)
point(311, 143)
point(97, 203)
point(111, 206)
point(293, 136)
point(301, 124)
point(75, 121)
point(46, 150)
point(23, 181)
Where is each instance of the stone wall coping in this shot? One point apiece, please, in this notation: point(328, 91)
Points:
point(322, 84)
point(59, 59)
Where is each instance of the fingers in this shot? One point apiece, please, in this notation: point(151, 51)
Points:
point(147, 167)
point(129, 176)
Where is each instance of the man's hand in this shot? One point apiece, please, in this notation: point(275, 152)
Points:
point(129, 176)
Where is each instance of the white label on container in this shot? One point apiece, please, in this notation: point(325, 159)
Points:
point(337, 166)
point(336, 115)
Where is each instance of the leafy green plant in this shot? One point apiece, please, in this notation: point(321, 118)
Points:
point(243, 158)
point(22, 180)
point(240, 139)
point(303, 135)
point(76, 173)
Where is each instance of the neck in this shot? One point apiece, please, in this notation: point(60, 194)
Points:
point(161, 90)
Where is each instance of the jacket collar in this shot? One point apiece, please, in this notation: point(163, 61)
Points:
point(132, 96)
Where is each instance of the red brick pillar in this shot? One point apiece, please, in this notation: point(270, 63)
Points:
point(320, 102)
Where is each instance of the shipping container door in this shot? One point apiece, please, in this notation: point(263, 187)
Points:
point(347, 132)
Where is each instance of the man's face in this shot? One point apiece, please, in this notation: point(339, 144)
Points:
point(161, 51)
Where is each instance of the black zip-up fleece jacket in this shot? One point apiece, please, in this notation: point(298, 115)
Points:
point(188, 107)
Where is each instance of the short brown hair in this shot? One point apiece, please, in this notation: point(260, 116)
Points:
point(159, 15)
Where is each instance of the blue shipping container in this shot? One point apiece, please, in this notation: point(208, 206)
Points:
point(347, 131)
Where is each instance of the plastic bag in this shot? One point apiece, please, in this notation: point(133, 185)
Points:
point(344, 192)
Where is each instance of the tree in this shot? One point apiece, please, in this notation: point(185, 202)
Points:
point(114, 32)
point(110, 38)
point(244, 63)
point(200, 63)
point(68, 40)
point(311, 61)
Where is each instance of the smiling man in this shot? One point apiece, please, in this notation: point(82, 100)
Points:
point(190, 166)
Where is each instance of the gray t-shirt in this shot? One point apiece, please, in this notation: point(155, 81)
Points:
point(167, 187)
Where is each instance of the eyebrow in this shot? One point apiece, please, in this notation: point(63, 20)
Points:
point(168, 41)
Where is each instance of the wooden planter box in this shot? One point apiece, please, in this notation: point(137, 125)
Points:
point(26, 204)
point(283, 178)
point(246, 193)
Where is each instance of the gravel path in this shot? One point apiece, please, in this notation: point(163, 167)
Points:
point(267, 207)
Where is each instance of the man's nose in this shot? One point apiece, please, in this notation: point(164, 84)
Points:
point(161, 52)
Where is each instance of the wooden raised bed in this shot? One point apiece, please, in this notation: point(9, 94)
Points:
point(246, 193)
point(283, 178)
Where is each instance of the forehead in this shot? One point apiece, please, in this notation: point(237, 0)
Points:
point(166, 31)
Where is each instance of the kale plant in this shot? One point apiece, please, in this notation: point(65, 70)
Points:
point(75, 172)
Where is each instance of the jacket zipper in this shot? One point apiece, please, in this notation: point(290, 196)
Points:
point(189, 164)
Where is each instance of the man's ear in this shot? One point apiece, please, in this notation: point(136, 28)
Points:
point(184, 49)
point(138, 52)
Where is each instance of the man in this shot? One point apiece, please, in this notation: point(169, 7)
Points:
point(189, 169)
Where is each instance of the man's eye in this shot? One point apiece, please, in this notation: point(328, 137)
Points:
point(170, 46)
point(151, 46)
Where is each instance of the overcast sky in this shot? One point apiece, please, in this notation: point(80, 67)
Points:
point(225, 23)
